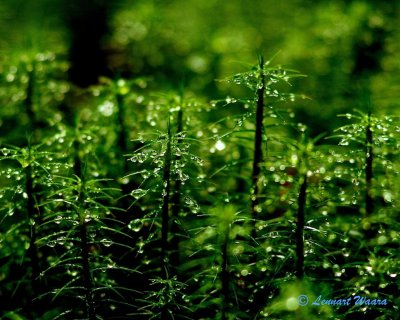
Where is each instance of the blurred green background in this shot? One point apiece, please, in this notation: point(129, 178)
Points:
point(348, 49)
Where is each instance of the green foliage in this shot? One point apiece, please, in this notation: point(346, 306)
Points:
point(138, 198)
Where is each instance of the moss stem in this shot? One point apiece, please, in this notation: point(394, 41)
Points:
point(258, 156)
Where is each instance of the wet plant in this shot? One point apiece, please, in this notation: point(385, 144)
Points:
point(79, 233)
point(165, 166)
point(372, 141)
point(29, 173)
point(147, 204)
point(265, 82)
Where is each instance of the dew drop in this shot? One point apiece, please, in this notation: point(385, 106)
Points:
point(136, 225)
point(219, 145)
point(138, 193)
point(106, 242)
point(145, 174)
point(244, 272)
point(387, 196)
point(51, 244)
point(229, 100)
point(106, 109)
point(58, 219)
point(140, 246)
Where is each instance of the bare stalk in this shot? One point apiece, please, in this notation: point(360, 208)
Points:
point(369, 157)
point(166, 202)
point(34, 221)
point(301, 205)
point(176, 204)
point(86, 276)
point(258, 156)
point(122, 143)
point(28, 101)
point(225, 275)
point(85, 259)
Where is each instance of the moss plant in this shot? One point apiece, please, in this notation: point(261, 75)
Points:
point(34, 171)
point(265, 83)
point(147, 204)
point(373, 137)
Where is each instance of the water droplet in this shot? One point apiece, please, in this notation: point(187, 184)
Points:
point(382, 240)
point(136, 225)
point(244, 272)
point(138, 193)
point(387, 196)
point(106, 109)
point(73, 273)
point(230, 100)
point(58, 219)
point(219, 145)
point(51, 243)
point(145, 174)
point(106, 242)
point(140, 245)
point(192, 205)
point(183, 176)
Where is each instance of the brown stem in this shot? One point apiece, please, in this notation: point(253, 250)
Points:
point(258, 157)
point(301, 201)
point(369, 156)
point(86, 276)
point(121, 124)
point(85, 259)
point(176, 204)
point(166, 203)
point(29, 98)
point(33, 217)
point(225, 275)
